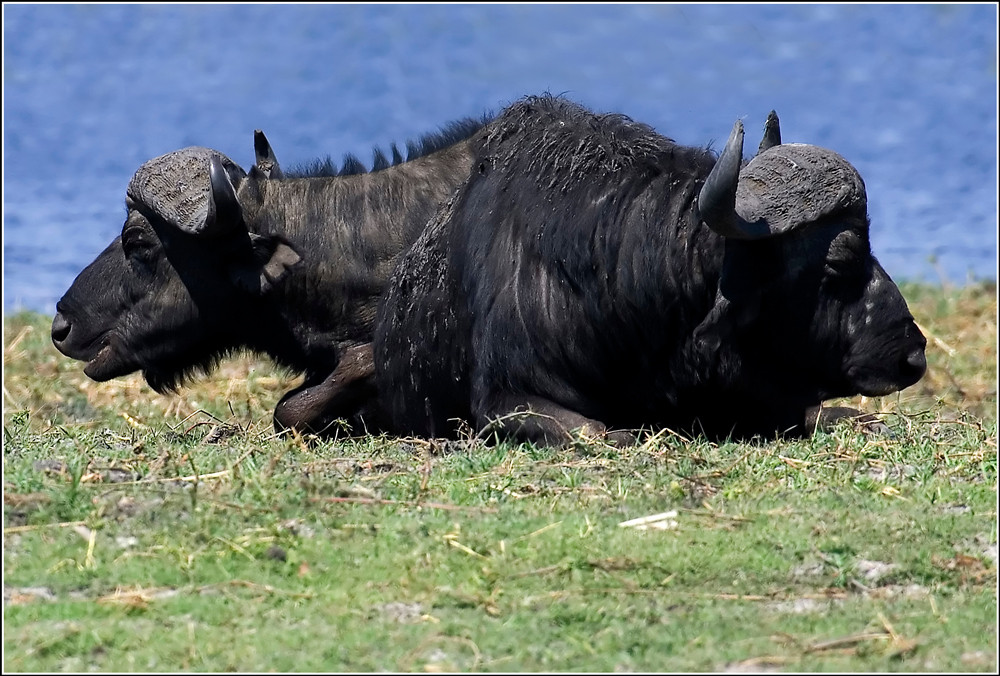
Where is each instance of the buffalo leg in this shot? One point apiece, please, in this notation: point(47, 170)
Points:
point(314, 408)
point(818, 418)
point(542, 421)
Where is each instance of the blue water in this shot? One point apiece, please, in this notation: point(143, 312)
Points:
point(908, 93)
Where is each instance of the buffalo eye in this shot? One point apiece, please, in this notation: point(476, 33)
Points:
point(138, 246)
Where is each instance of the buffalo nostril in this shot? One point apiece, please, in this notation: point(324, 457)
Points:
point(917, 361)
point(60, 328)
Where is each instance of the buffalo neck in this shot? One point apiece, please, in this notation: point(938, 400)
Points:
point(349, 232)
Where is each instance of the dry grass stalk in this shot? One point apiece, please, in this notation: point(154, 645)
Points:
point(847, 641)
point(538, 532)
point(40, 526)
point(453, 542)
point(407, 503)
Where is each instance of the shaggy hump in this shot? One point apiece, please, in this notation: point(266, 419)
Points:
point(559, 138)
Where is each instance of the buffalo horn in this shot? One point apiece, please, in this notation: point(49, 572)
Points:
point(772, 133)
point(223, 207)
point(785, 186)
point(178, 188)
point(717, 199)
point(267, 163)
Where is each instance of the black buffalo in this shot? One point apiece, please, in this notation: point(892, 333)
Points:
point(593, 275)
point(213, 260)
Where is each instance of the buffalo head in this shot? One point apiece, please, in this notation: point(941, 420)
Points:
point(163, 297)
point(801, 295)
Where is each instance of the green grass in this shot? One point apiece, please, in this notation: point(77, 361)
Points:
point(165, 533)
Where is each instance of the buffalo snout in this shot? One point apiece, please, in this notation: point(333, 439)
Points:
point(69, 340)
point(915, 363)
point(60, 329)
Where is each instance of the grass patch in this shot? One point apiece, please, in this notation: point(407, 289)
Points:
point(164, 533)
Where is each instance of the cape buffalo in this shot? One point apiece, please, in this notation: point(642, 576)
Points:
point(212, 260)
point(594, 275)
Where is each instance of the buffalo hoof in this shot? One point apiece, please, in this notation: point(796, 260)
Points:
point(621, 439)
point(826, 419)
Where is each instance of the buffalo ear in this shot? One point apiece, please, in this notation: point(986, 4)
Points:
point(269, 263)
point(283, 258)
point(710, 333)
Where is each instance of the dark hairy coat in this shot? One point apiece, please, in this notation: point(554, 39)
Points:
point(573, 284)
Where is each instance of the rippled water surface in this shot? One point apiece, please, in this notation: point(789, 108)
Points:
point(908, 93)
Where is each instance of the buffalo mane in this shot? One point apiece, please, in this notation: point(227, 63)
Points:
point(431, 142)
point(580, 146)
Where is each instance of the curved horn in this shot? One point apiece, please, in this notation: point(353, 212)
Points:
point(223, 208)
point(177, 188)
point(772, 133)
point(267, 163)
point(717, 199)
point(785, 186)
